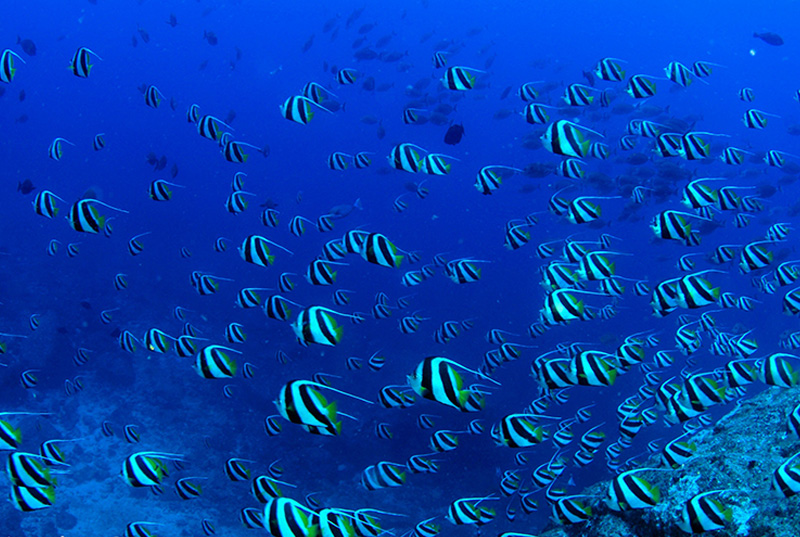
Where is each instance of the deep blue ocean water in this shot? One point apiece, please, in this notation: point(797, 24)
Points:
point(257, 63)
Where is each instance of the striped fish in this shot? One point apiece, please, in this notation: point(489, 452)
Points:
point(147, 468)
point(213, 362)
point(436, 378)
point(255, 250)
point(786, 477)
point(378, 250)
point(84, 217)
point(702, 513)
point(459, 78)
point(406, 157)
point(285, 517)
point(297, 108)
point(565, 138)
point(316, 324)
point(301, 402)
point(383, 475)
point(628, 491)
point(518, 431)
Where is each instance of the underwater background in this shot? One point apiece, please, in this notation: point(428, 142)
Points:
point(75, 312)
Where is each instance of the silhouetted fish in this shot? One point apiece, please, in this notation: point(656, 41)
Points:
point(211, 37)
point(333, 106)
point(329, 24)
point(340, 211)
point(365, 53)
point(454, 134)
point(366, 28)
point(308, 44)
point(26, 186)
point(770, 38)
point(28, 46)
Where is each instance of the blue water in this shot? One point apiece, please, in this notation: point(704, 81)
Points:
point(175, 410)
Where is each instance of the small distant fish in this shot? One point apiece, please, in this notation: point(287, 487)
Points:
point(390, 57)
point(330, 23)
point(365, 54)
point(99, 142)
point(28, 46)
point(366, 28)
point(28, 379)
point(770, 38)
point(80, 65)
point(454, 134)
point(346, 76)
point(56, 151)
point(21, 95)
point(24, 119)
point(25, 187)
point(383, 41)
point(153, 97)
point(211, 37)
point(173, 20)
point(308, 44)
point(143, 34)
